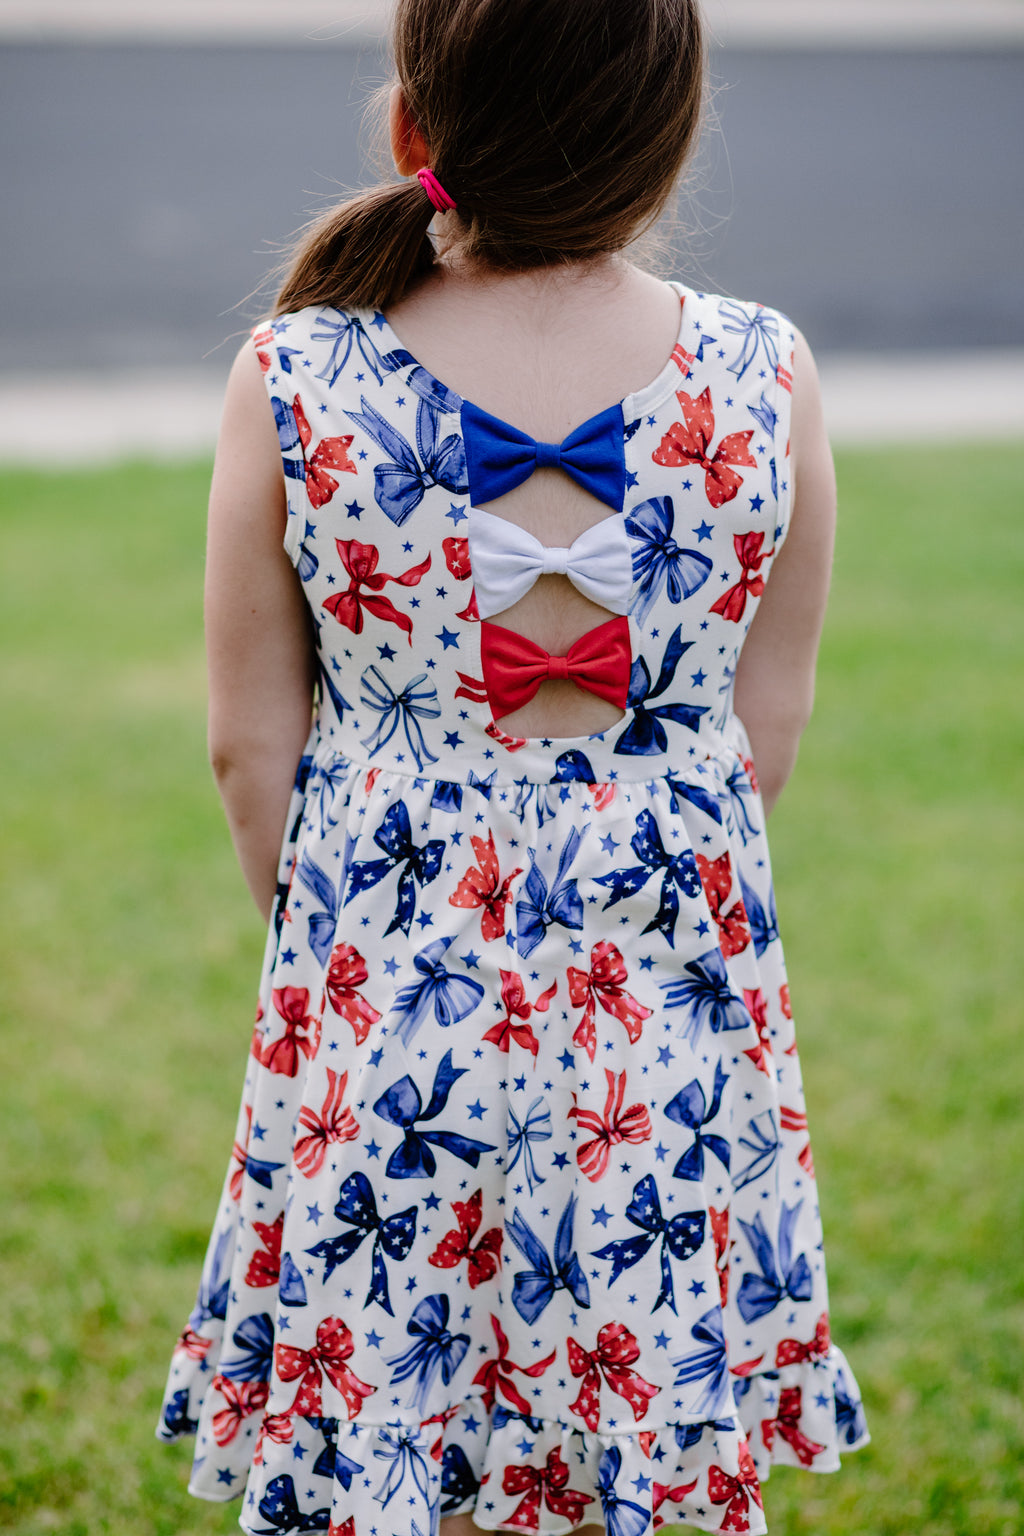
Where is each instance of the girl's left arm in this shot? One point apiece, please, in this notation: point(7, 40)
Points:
point(260, 651)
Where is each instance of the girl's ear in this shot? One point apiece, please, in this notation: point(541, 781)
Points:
point(409, 148)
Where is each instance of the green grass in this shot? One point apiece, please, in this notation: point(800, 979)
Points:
point(130, 952)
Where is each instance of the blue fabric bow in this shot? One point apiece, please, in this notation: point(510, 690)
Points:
point(763, 920)
point(323, 924)
point(418, 865)
point(695, 794)
point(331, 1462)
point(762, 1142)
point(759, 329)
point(291, 1288)
point(254, 1339)
point(457, 1481)
point(401, 1105)
point(403, 1457)
point(681, 1237)
point(687, 1435)
point(394, 1236)
point(645, 735)
point(406, 709)
point(280, 1506)
point(536, 1127)
point(447, 795)
point(707, 993)
point(401, 483)
point(261, 1173)
point(342, 332)
point(451, 997)
point(659, 564)
point(500, 457)
point(710, 1364)
point(760, 1294)
point(538, 907)
point(621, 1516)
point(176, 1419)
point(678, 873)
point(437, 1351)
point(690, 1108)
point(533, 1289)
point(214, 1283)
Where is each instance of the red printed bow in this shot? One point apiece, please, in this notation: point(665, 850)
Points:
point(787, 1423)
point(342, 1527)
point(301, 1033)
point(603, 984)
point(456, 558)
point(733, 928)
point(687, 441)
point(494, 1375)
point(661, 1491)
point(265, 1263)
point(616, 1350)
point(632, 1125)
point(192, 1344)
point(736, 1491)
point(327, 1358)
point(513, 995)
point(796, 1120)
point(347, 971)
point(792, 1352)
point(749, 554)
point(360, 561)
point(335, 1122)
point(330, 452)
point(242, 1398)
point(483, 886)
point(458, 1245)
point(720, 1236)
point(514, 667)
point(275, 1426)
point(757, 1007)
point(549, 1480)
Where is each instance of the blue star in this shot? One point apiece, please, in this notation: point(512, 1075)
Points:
point(631, 479)
point(375, 1057)
point(665, 1056)
point(524, 1447)
point(471, 1424)
point(313, 1214)
point(374, 1339)
point(391, 966)
point(470, 961)
point(609, 845)
point(641, 1483)
point(386, 653)
point(225, 1475)
point(520, 1084)
point(561, 1160)
point(703, 532)
point(289, 956)
point(432, 1201)
point(353, 509)
point(372, 1149)
point(567, 1060)
point(601, 1216)
point(447, 637)
point(452, 739)
point(425, 920)
point(756, 503)
point(456, 514)
point(699, 678)
point(661, 1341)
point(378, 321)
point(476, 1111)
point(259, 1131)
point(696, 1286)
point(660, 1152)
point(703, 928)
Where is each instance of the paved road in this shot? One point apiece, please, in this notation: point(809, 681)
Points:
point(877, 196)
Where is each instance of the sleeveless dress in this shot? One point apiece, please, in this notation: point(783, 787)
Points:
point(521, 1214)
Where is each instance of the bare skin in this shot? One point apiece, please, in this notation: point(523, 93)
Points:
point(544, 350)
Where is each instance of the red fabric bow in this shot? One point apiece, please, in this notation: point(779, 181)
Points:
point(735, 1491)
point(750, 554)
point(687, 441)
point(275, 1426)
point(494, 1375)
point(615, 1126)
point(549, 1480)
point(513, 995)
point(327, 1358)
point(787, 1423)
point(243, 1398)
point(483, 887)
point(661, 1491)
point(265, 1263)
point(360, 561)
point(302, 1032)
point(792, 1352)
point(335, 1122)
point(603, 984)
point(328, 453)
point(514, 667)
point(615, 1352)
point(733, 928)
point(347, 971)
point(458, 1245)
point(757, 1007)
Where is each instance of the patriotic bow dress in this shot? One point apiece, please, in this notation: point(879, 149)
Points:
point(521, 1217)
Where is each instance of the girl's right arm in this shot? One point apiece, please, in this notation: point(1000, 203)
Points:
point(774, 689)
point(260, 652)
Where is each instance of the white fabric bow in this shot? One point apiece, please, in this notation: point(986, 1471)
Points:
point(506, 561)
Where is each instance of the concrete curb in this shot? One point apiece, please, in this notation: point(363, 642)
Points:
point(61, 421)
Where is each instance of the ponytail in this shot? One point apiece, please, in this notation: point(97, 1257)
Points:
point(364, 253)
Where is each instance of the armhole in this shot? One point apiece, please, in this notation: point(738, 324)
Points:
point(265, 342)
point(782, 457)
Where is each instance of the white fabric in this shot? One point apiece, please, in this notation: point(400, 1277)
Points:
point(506, 561)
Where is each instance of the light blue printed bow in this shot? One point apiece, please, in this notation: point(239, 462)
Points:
point(406, 709)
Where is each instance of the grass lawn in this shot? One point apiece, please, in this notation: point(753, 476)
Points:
point(130, 953)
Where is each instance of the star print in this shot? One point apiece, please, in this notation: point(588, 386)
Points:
point(661, 1341)
point(477, 1110)
point(567, 1060)
point(756, 503)
point(698, 678)
point(609, 845)
point(452, 739)
point(313, 1214)
point(353, 509)
point(391, 966)
point(470, 961)
point(289, 956)
point(374, 1339)
point(456, 514)
point(704, 531)
point(601, 1216)
point(432, 1201)
point(372, 1149)
point(386, 653)
point(447, 637)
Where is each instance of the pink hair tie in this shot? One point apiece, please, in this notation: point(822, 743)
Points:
point(434, 190)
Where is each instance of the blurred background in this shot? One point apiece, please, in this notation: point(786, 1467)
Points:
point(863, 170)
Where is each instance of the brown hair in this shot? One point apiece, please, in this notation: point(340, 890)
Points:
point(558, 127)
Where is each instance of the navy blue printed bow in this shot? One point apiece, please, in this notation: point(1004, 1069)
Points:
point(707, 993)
point(418, 865)
point(690, 1108)
point(436, 1351)
point(645, 735)
point(621, 1516)
point(401, 1105)
point(709, 1363)
point(457, 1481)
point(791, 1277)
point(254, 1339)
point(176, 1419)
point(214, 1284)
point(678, 873)
point(500, 457)
point(331, 1462)
point(681, 1237)
point(763, 920)
point(280, 1506)
point(394, 1236)
point(533, 1289)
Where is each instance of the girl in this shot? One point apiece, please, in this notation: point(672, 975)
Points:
point(520, 1228)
